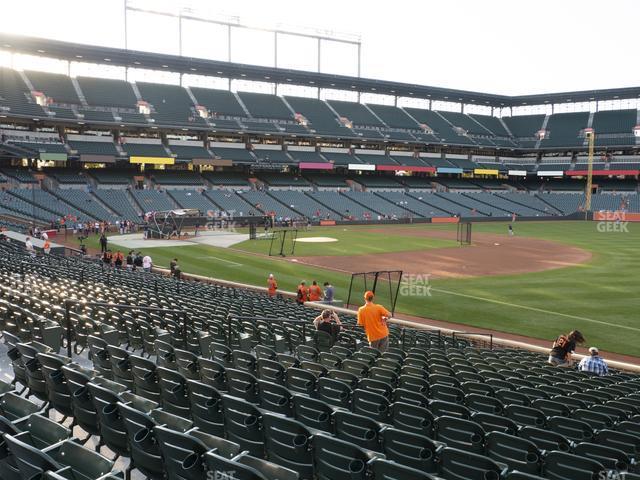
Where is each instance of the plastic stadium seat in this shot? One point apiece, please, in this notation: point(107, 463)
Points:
point(412, 418)
point(145, 378)
point(611, 458)
point(410, 396)
point(630, 427)
point(301, 381)
point(244, 361)
point(482, 403)
point(329, 360)
point(335, 459)
point(629, 444)
point(356, 367)
point(15, 408)
point(120, 366)
point(596, 420)
point(495, 423)
point(545, 439)
point(105, 396)
point(564, 466)
point(243, 424)
point(440, 408)
point(307, 353)
point(288, 443)
point(313, 413)
point(84, 410)
point(334, 392)
point(371, 404)
point(317, 369)
point(213, 373)
point(551, 408)
point(416, 384)
point(412, 450)
point(173, 392)
point(275, 398)
point(510, 397)
point(358, 430)
point(69, 458)
point(461, 465)
point(525, 415)
point(188, 364)
point(33, 369)
point(352, 381)
point(206, 408)
point(460, 433)
point(244, 467)
point(387, 470)
point(243, 385)
point(518, 453)
point(100, 356)
point(574, 430)
point(271, 371)
point(183, 453)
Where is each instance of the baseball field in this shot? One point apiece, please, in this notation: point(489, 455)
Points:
point(550, 277)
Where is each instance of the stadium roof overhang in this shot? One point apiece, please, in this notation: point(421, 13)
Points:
point(198, 66)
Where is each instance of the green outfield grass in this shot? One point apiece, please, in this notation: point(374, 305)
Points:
point(600, 298)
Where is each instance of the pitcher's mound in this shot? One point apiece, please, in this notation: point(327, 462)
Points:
point(317, 239)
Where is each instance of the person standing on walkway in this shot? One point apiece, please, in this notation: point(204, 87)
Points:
point(103, 243)
point(373, 318)
point(272, 285)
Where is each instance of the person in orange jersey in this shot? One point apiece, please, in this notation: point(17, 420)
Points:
point(302, 293)
point(373, 318)
point(315, 292)
point(47, 247)
point(272, 285)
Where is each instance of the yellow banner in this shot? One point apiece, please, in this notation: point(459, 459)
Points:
point(485, 171)
point(153, 160)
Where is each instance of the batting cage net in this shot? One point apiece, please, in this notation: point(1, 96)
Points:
point(283, 242)
point(385, 284)
point(464, 233)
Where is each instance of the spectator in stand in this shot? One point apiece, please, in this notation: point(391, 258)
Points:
point(594, 363)
point(118, 259)
point(315, 292)
point(328, 322)
point(137, 261)
point(373, 318)
point(147, 263)
point(176, 270)
point(28, 244)
point(107, 257)
point(302, 293)
point(272, 285)
point(328, 292)
point(172, 265)
point(563, 347)
point(130, 260)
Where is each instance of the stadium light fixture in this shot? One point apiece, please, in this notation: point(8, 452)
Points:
point(243, 74)
point(78, 56)
point(41, 51)
point(136, 63)
point(165, 66)
point(107, 59)
point(193, 69)
point(219, 73)
point(267, 77)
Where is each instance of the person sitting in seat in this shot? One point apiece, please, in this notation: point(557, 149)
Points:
point(563, 347)
point(594, 363)
point(329, 322)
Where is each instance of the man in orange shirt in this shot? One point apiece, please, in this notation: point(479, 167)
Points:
point(302, 293)
point(315, 292)
point(272, 285)
point(373, 318)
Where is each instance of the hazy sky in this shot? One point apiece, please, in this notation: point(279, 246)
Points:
point(509, 47)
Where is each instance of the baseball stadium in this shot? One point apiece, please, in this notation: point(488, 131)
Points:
point(272, 266)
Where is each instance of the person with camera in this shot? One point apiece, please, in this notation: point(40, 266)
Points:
point(329, 322)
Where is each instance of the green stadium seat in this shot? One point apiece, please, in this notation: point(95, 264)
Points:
point(459, 433)
point(458, 464)
point(564, 466)
point(288, 443)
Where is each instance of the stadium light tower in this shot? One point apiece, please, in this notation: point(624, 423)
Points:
point(591, 136)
